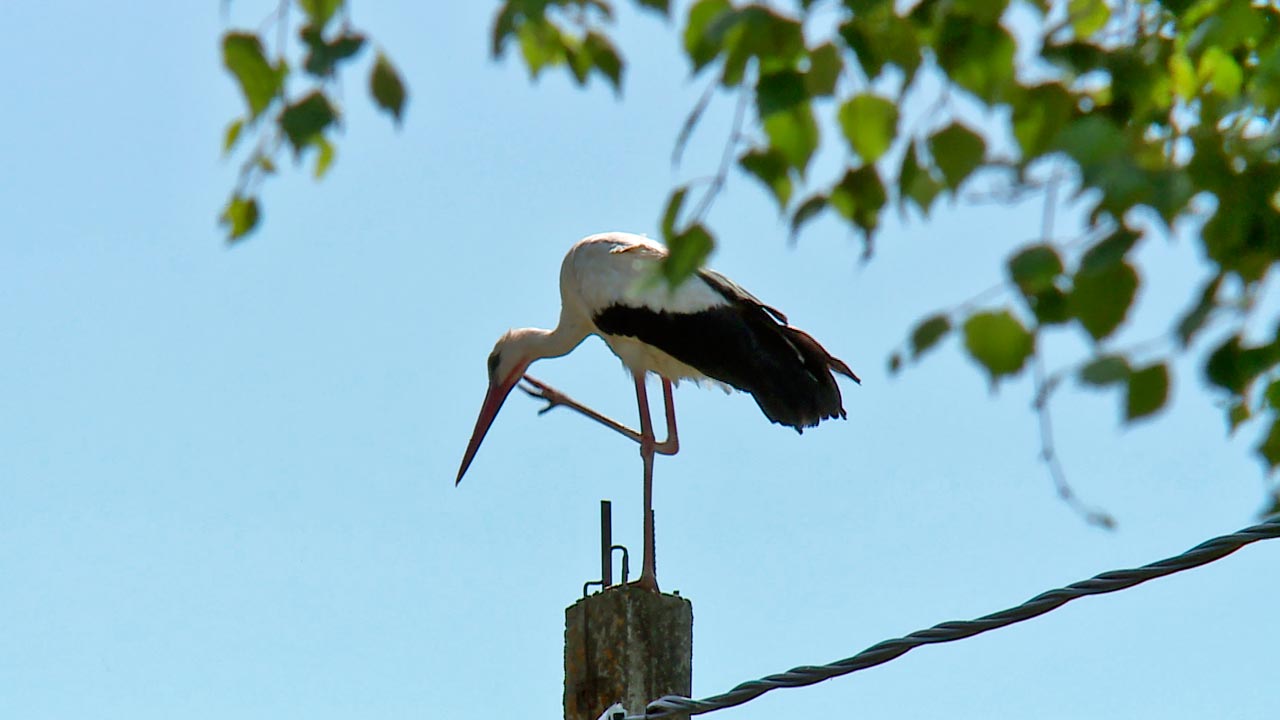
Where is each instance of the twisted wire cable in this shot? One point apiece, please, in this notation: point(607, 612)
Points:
point(1107, 582)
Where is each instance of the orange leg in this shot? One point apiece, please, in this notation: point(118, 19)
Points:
point(649, 447)
point(538, 389)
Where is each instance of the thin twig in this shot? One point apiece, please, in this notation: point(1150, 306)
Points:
point(691, 122)
point(282, 28)
point(1050, 205)
point(1044, 387)
point(726, 160)
point(979, 299)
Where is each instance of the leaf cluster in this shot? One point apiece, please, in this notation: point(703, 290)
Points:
point(1161, 114)
point(564, 33)
point(305, 121)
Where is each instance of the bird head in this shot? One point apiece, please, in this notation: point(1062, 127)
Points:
point(507, 363)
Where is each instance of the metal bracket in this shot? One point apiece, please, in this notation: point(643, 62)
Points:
point(615, 712)
point(606, 552)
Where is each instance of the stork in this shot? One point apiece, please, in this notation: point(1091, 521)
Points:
point(707, 328)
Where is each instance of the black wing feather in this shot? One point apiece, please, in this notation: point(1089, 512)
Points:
point(746, 344)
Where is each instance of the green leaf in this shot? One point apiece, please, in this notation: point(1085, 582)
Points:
point(779, 92)
point(240, 217)
point(1109, 251)
point(1233, 366)
point(1237, 415)
point(1105, 370)
point(772, 169)
point(756, 31)
point(387, 89)
point(662, 6)
point(259, 82)
point(671, 215)
point(1051, 306)
point(916, 183)
point(1088, 16)
point(1195, 318)
point(604, 57)
point(1243, 235)
point(1148, 390)
point(928, 333)
point(870, 124)
point(859, 196)
point(1101, 300)
point(794, 134)
point(1234, 23)
point(1076, 57)
point(580, 63)
point(957, 151)
point(701, 45)
point(895, 363)
point(1035, 268)
point(982, 11)
point(1093, 141)
point(685, 254)
point(807, 211)
point(998, 342)
point(320, 11)
point(879, 37)
point(323, 56)
point(1269, 448)
point(541, 44)
point(1038, 115)
point(307, 118)
point(232, 135)
point(976, 56)
point(1102, 151)
point(324, 155)
point(825, 67)
point(504, 26)
point(1183, 74)
point(1272, 395)
point(1220, 71)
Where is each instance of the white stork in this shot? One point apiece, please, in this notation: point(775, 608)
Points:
point(708, 328)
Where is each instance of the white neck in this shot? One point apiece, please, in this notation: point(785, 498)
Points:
point(536, 343)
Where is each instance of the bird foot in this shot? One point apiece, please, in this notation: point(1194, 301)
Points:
point(541, 391)
point(646, 582)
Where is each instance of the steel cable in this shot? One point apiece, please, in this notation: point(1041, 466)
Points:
point(1107, 582)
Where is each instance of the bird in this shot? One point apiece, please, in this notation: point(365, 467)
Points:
point(705, 329)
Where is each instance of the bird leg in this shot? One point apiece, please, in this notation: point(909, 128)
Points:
point(538, 389)
point(648, 445)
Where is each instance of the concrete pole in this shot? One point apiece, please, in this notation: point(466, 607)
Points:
point(625, 645)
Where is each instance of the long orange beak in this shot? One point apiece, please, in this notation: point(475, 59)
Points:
point(488, 411)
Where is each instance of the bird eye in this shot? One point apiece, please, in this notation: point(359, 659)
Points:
point(493, 364)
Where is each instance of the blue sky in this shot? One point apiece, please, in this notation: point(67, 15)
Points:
point(226, 474)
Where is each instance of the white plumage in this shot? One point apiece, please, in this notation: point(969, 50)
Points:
point(616, 268)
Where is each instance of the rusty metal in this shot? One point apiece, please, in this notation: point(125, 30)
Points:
point(606, 553)
point(626, 562)
point(606, 544)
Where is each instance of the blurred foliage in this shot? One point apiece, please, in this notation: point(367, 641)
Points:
point(276, 115)
point(1158, 114)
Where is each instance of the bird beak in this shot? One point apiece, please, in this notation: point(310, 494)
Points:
point(488, 411)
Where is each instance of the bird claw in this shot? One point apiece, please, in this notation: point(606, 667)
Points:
point(539, 391)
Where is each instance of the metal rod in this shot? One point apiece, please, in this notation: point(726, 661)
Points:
point(626, 563)
point(606, 544)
